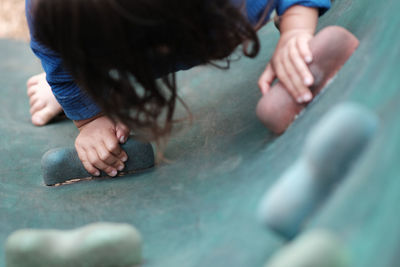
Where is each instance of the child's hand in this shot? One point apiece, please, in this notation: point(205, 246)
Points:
point(98, 145)
point(289, 65)
point(292, 54)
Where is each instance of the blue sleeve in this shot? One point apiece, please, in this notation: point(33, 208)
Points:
point(256, 8)
point(76, 104)
point(322, 5)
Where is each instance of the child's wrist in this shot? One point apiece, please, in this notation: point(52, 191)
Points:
point(288, 35)
point(294, 32)
point(81, 123)
point(299, 18)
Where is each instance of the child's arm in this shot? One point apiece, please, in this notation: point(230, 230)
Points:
point(292, 54)
point(98, 141)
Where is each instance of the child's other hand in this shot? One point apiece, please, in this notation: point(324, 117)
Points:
point(98, 145)
point(289, 65)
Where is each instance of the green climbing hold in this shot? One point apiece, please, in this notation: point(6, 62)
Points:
point(318, 248)
point(331, 149)
point(95, 245)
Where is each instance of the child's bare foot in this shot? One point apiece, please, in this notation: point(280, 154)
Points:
point(44, 105)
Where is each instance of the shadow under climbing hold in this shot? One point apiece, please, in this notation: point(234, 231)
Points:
point(99, 244)
point(62, 164)
point(317, 248)
point(332, 146)
point(331, 48)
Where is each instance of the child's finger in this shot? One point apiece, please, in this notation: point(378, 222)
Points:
point(113, 146)
point(301, 67)
point(122, 132)
point(302, 71)
point(109, 158)
point(95, 160)
point(285, 80)
point(123, 156)
point(304, 48)
point(266, 79)
point(297, 87)
point(88, 166)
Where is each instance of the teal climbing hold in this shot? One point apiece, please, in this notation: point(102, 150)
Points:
point(95, 245)
point(60, 165)
point(331, 148)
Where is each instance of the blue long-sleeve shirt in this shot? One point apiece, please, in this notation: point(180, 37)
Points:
point(78, 105)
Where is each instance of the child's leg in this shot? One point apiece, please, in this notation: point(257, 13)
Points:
point(44, 105)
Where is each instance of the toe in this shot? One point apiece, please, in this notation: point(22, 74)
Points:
point(32, 81)
point(32, 89)
point(34, 99)
point(37, 120)
point(43, 116)
point(37, 107)
point(35, 79)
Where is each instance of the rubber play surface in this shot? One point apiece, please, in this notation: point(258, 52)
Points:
point(199, 210)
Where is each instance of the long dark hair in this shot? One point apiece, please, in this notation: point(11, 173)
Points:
point(124, 52)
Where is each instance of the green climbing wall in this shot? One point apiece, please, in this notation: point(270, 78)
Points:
point(199, 210)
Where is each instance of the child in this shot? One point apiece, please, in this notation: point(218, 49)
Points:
point(102, 60)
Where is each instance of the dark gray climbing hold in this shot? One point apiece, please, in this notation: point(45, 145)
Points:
point(62, 164)
point(330, 149)
point(317, 248)
point(95, 245)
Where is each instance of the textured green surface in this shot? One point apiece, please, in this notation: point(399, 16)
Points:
point(200, 210)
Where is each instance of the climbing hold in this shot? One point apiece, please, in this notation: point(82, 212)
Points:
point(331, 48)
point(99, 244)
point(332, 146)
point(317, 248)
point(62, 164)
